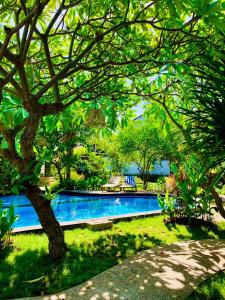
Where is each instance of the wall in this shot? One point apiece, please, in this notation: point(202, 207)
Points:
point(160, 168)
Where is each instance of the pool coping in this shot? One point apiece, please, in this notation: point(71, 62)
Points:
point(83, 223)
point(106, 193)
point(100, 193)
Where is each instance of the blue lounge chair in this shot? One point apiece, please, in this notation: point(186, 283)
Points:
point(128, 184)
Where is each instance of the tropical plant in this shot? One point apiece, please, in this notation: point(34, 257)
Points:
point(207, 115)
point(167, 204)
point(204, 92)
point(95, 182)
point(192, 191)
point(49, 194)
point(7, 219)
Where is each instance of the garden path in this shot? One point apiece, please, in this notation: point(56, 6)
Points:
point(163, 272)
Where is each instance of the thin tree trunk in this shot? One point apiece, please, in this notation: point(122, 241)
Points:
point(68, 168)
point(54, 232)
point(219, 202)
point(68, 172)
point(47, 169)
point(59, 173)
point(145, 182)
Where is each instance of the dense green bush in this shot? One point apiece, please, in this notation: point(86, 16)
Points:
point(189, 184)
point(91, 183)
point(95, 182)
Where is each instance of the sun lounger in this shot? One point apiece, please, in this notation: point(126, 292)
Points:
point(129, 183)
point(114, 182)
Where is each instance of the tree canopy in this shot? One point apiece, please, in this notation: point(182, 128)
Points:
point(101, 55)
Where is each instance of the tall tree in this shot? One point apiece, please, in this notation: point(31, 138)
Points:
point(144, 143)
point(54, 53)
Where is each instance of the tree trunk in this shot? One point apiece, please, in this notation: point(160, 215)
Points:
point(47, 169)
point(59, 173)
point(145, 182)
point(57, 246)
point(68, 168)
point(68, 172)
point(219, 202)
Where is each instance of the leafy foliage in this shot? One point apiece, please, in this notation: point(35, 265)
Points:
point(143, 143)
point(7, 176)
point(82, 184)
point(96, 55)
point(108, 148)
point(192, 192)
point(167, 204)
point(7, 219)
point(207, 115)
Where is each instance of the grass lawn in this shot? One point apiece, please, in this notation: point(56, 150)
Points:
point(213, 288)
point(90, 252)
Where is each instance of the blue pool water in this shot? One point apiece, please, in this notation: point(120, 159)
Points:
point(75, 208)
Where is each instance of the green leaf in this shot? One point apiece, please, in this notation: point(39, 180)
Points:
point(35, 280)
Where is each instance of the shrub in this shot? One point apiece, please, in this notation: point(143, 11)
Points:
point(167, 204)
point(92, 183)
point(95, 182)
point(7, 219)
point(187, 184)
point(80, 185)
point(67, 184)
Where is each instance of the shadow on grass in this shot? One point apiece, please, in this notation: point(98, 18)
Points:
point(81, 262)
point(198, 229)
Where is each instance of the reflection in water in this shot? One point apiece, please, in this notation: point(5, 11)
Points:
point(117, 201)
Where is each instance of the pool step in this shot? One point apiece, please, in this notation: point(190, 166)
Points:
point(99, 224)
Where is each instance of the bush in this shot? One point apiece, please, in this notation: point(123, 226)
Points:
point(66, 184)
point(92, 183)
point(187, 184)
point(81, 185)
point(167, 204)
point(95, 182)
point(152, 178)
point(7, 219)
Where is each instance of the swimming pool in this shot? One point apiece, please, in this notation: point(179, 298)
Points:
point(78, 208)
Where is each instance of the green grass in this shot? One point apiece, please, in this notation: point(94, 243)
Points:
point(90, 252)
point(213, 288)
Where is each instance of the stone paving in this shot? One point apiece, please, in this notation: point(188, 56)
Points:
point(164, 272)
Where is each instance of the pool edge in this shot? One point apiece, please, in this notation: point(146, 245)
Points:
point(83, 223)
